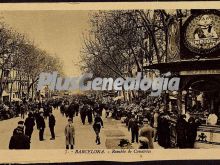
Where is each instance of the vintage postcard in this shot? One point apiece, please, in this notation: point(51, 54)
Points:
point(109, 81)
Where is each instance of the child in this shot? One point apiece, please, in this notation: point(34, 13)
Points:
point(70, 134)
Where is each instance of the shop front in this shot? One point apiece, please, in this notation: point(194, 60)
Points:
point(198, 67)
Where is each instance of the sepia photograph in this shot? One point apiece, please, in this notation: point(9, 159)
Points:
point(89, 80)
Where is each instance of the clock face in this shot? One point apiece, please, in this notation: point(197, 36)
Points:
point(202, 33)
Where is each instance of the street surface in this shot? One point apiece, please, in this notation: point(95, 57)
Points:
point(110, 135)
point(84, 138)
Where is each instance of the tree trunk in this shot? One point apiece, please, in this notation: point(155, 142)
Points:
point(31, 87)
point(1, 85)
point(10, 95)
point(32, 93)
point(19, 88)
point(28, 88)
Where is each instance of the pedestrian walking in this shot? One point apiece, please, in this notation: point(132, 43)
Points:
point(17, 108)
point(19, 128)
point(134, 127)
point(148, 132)
point(191, 132)
point(96, 108)
point(19, 140)
point(76, 108)
point(83, 113)
point(70, 134)
point(41, 126)
point(71, 111)
point(89, 114)
point(107, 111)
point(98, 124)
point(52, 122)
point(66, 107)
point(181, 131)
point(22, 111)
point(62, 109)
point(47, 109)
point(29, 125)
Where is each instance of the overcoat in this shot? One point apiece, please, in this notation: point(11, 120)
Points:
point(70, 134)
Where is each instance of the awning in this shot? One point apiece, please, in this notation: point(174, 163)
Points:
point(187, 65)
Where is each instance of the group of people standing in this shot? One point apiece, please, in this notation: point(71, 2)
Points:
point(186, 130)
point(25, 128)
point(168, 128)
point(143, 134)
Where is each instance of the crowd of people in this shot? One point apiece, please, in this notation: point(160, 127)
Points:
point(148, 121)
point(152, 121)
point(38, 112)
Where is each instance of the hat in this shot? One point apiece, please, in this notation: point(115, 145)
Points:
point(145, 120)
point(21, 122)
point(30, 114)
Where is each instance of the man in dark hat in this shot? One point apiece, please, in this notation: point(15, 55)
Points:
point(134, 127)
point(22, 111)
point(18, 139)
point(41, 125)
point(52, 122)
point(76, 107)
point(29, 125)
point(83, 113)
point(89, 114)
point(20, 128)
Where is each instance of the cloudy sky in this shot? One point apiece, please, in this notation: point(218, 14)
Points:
point(57, 32)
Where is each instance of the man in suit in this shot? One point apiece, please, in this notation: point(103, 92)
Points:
point(134, 127)
point(52, 122)
point(19, 140)
point(29, 125)
point(41, 125)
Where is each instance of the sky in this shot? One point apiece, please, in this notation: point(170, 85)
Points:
point(57, 32)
